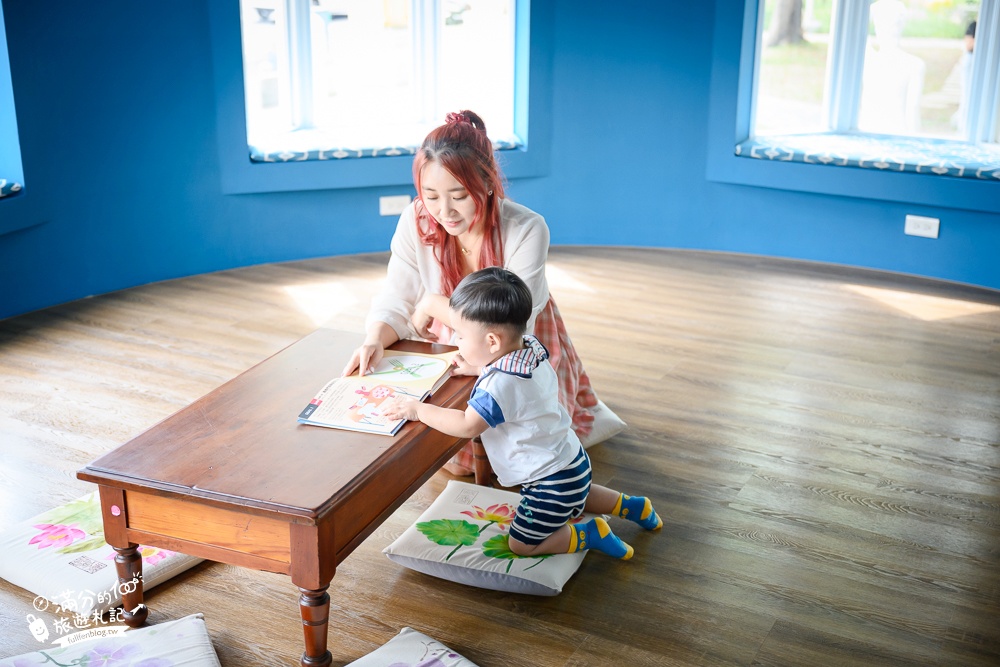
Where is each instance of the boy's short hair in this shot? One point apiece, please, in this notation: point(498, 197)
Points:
point(494, 297)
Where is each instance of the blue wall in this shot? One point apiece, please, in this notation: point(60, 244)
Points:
point(116, 114)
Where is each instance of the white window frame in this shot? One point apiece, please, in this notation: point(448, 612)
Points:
point(238, 175)
point(984, 114)
point(427, 21)
point(845, 66)
point(734, 55)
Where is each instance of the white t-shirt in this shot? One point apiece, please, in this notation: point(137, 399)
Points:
point(413, 270)
point(531, 434)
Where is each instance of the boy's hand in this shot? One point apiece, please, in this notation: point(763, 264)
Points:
point(401, 407)
point(462, 367)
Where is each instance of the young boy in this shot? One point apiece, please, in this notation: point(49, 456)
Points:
point(527, 434)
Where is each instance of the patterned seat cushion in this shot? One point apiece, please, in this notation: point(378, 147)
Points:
point(181, 642)
point(61, 556)
point(936, 157)
point(410, 647)
point(9, 188)
point(462, 537)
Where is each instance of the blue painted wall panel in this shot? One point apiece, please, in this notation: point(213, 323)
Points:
point(116, 111)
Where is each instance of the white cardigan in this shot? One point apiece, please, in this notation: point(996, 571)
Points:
point(413, 270)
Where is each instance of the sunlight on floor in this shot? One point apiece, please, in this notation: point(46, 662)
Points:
point(321, 301)
point(561, 280)
point(922, 306)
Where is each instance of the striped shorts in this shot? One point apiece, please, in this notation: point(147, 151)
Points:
point(550, 503)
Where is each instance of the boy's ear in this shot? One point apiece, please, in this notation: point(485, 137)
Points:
point(494, 341)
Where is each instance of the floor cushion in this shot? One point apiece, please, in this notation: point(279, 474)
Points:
point(172, 644)
point(414, 648)
point(61, 556)
point(606, 425)
point(462, 537)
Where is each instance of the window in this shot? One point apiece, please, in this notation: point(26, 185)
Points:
point(367, 74)
point(910, 68)
point(736, 52)
point(11, 176)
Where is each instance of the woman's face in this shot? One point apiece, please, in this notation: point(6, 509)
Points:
point(446, 199)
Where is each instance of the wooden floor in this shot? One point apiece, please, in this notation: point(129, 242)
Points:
point(822, 443)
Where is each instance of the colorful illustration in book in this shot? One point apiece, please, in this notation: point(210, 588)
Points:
point(354, 402)
point(400, 368)
point(366, 409)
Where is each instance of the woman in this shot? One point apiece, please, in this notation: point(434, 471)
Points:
point(459, 223)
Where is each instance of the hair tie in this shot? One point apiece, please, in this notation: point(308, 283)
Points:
point(456, 118)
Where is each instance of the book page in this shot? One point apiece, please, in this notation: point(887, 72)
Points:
point(354, 402)
point(413, 370)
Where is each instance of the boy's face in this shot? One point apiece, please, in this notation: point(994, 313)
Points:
point(477, 346)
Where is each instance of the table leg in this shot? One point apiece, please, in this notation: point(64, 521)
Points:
point(128, 562)
point(314, 606)
point(481, 464)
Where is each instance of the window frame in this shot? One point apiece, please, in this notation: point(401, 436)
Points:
point(11, 167)
point(734, 54)
point(842, 90)
point(18, 211)
point(984, 116)
point(238, 175)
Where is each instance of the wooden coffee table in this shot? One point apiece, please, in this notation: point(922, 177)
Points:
point(234, 478)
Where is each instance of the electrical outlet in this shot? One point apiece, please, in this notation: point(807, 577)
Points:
point(393, 204)
point(918, 225)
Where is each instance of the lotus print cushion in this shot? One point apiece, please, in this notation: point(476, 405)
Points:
point(462, 537)
point(61, 557)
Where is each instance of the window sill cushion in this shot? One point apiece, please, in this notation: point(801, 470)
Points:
point(306, 146)
point(9, 188)
point(937, 157)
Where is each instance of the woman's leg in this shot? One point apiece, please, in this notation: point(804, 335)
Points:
point(461, 464)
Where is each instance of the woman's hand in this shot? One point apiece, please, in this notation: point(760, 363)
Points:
point(399, 407)
point(462, 367)
point(430, 307)
point(421, 321)
point(365, 358)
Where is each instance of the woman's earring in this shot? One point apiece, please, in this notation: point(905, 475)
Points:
point(489, 194)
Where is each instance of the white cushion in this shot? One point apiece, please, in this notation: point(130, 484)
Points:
point(462, 537)
point(606, 425)
point(410, 647)
point(181, 642)
point(61, 556)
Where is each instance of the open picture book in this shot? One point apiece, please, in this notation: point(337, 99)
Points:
point(353, 403)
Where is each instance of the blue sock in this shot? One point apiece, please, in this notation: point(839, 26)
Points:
point(596, 534)
point(638, 509)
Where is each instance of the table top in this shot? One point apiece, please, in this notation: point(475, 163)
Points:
point(242, 445)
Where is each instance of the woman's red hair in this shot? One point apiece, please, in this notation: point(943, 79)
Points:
point(462, 147)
